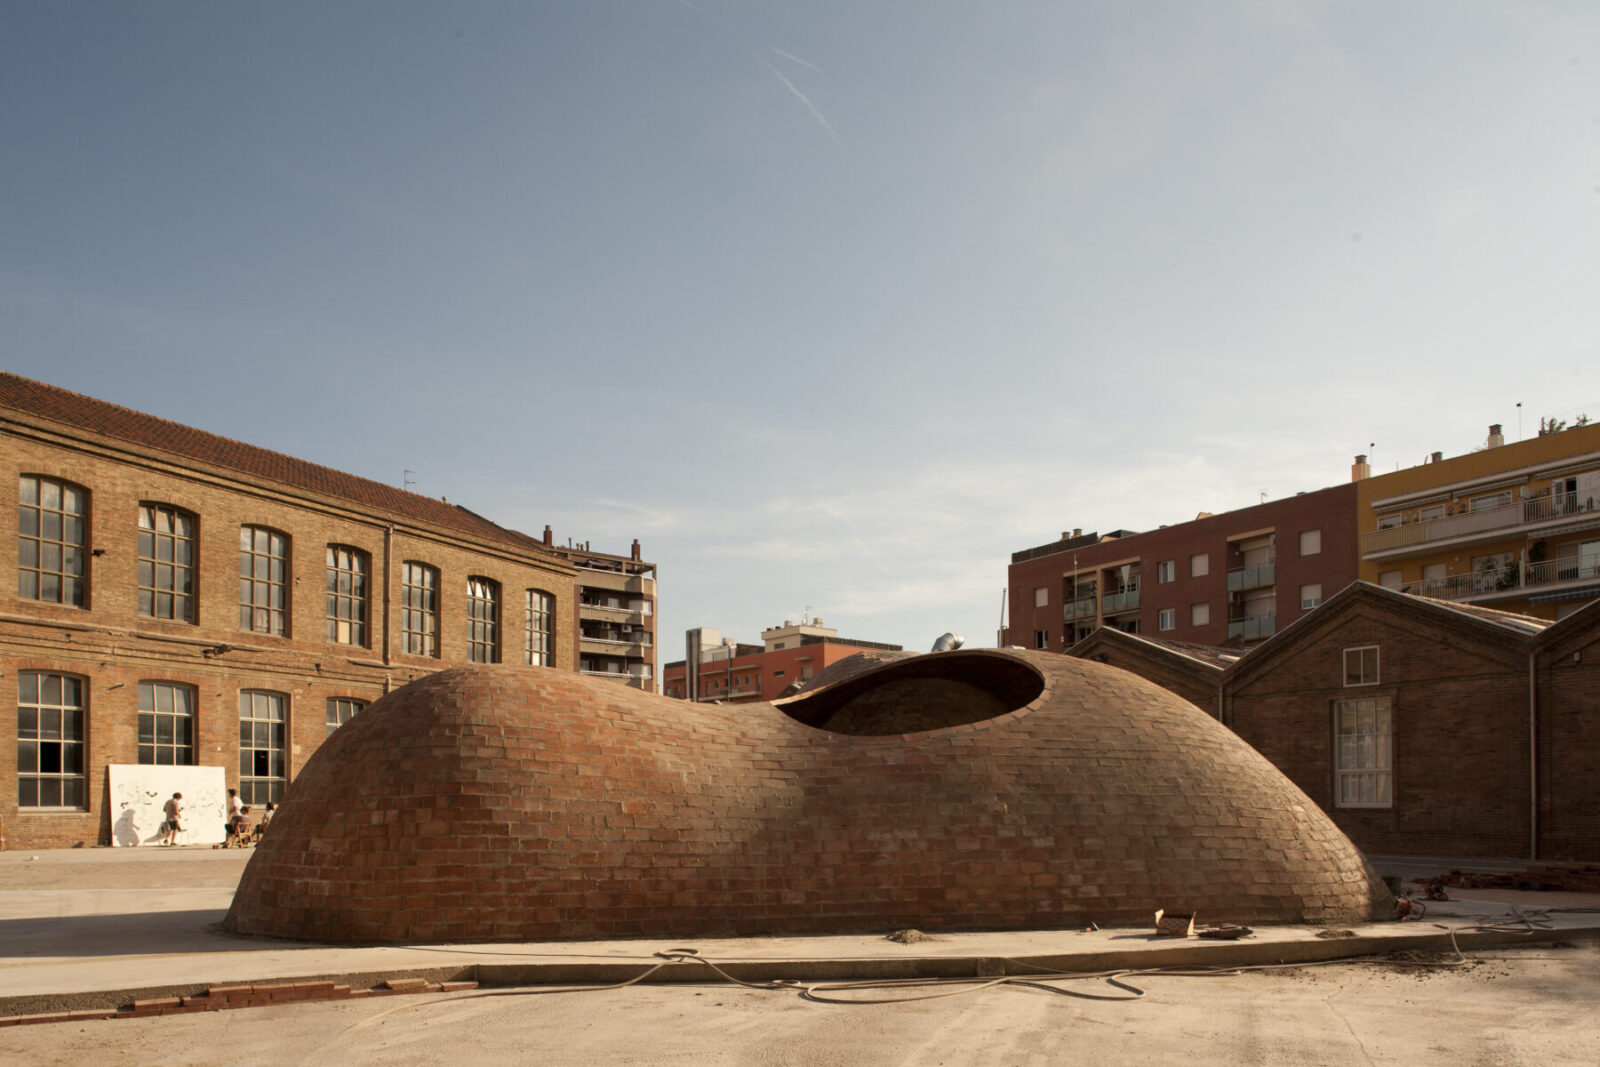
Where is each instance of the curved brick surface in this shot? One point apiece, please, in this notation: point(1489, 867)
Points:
point(507, 803)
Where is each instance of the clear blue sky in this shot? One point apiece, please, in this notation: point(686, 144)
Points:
point(832, 305)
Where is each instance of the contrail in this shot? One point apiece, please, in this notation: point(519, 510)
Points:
point(732, 31)
point(794, 58)
point(804, 99)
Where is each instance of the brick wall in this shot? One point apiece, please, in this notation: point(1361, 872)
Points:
point(1569, 747)
point(109, 645)
point(1460, 755)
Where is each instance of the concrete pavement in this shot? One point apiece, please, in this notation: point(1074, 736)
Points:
point(103, 927)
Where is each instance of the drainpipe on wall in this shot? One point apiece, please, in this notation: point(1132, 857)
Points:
point(388, 565)
point(1533, 760)
point(1219, 703)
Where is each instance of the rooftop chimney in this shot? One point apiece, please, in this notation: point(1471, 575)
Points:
point(1496, 438)
point(549, 538)
point(1360, 469)
point(1438, 457)
point(635, 548)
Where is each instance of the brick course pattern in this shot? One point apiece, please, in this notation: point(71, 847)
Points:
point(508, 803)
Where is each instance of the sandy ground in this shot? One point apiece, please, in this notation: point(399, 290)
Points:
point(130, 868)
point(1533, 1006)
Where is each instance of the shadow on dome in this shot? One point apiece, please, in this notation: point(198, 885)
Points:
point(932, 692)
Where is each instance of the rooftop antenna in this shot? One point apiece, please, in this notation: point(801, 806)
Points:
point(406, 481)
point(1519, 420)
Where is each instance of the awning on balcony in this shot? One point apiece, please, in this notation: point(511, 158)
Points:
point(1583, 592)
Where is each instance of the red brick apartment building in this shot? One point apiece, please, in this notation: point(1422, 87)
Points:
point(616, 613)
point(1234, 578)
point(730, 672)
point(1423, 727)
point(182, 598)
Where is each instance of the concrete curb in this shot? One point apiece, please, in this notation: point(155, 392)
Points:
point(1192, 953)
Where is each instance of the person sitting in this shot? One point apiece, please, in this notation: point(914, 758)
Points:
point(238, 829)
point(266, 817)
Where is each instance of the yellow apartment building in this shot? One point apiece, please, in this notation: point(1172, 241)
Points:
point(1513, 526)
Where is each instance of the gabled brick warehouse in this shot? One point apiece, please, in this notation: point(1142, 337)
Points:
point(958, 790)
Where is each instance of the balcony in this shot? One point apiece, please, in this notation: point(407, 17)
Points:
point(606, 611)
point(1253, 629)
point(1549, 512)
point(1113, 603)
point(1468, 586)
point(633, 681)
point(1561, 571)
point(1242, 578)
point(1081, 608)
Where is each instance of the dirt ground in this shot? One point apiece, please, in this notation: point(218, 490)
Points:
point(1508, 1007)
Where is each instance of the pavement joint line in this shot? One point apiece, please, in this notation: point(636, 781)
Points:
point(167, 1000)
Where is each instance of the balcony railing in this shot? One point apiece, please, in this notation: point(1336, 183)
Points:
point(1553, 571)
point(1241, 578)
point(1126, 600)
point(636, 681)
point(627, 642)
point(1253, 629)
point(1540, 509)
point(610, 612)
point(1080, 608)
point(1466, 586)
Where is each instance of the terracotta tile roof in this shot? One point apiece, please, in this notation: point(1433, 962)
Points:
point(135, 427)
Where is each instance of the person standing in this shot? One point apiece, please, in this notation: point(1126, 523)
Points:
point(174, 824)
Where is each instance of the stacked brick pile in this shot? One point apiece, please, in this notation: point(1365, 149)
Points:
point(1550, 878)
point(505, 803)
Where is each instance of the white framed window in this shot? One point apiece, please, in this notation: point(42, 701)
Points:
point(263, 721)
point(1199, 564)
point(341, 710)
point(1389, 579)
point(1167, 619)
point(1431, 513)
point(1041, 639)
point(1200, 614)
point(536, 631)
point(1361, 665)
point(166, 724)
point(1041, 597)
point(1390, 521)
point(1166, 571)
point(1310, 542)
point(50, 741)
point(1363, 735)
point(1310, 596)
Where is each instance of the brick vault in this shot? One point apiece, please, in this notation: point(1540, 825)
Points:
point(961, 790)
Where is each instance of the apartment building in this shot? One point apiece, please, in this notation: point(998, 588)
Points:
point(616, 613)
point(1232, 578)
point(717, 668)
point(1515, 526)
point(181, 598)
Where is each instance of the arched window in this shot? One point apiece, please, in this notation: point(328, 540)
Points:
point(166, 563)
point(347, 595)
point(52, 521)
point(263, 724)
point(536, 642)
point(419, 609)
point(263, 580)
point(166, 724)
point(50, 741)
point(483, 621)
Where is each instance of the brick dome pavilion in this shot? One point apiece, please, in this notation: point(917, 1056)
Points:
point(981, 789)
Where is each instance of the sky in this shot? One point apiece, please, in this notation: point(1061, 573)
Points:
point(832, 305)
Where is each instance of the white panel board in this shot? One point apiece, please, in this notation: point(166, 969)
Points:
point(139, 793)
